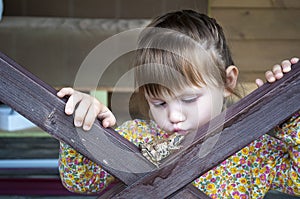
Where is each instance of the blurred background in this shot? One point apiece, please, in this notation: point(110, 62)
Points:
point(52, 39)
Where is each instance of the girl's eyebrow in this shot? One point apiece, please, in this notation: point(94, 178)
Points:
point(153, 98)
point(189, 95)
point(198, 92)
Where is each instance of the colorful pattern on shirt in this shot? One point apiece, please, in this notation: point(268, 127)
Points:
point(266, 163)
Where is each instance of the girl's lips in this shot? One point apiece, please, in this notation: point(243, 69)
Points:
point(179, 131)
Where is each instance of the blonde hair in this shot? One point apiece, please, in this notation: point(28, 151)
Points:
point(178, 49)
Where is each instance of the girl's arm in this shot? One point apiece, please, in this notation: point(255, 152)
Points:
point(287, 177)
point(287, 173)
point(79, 174)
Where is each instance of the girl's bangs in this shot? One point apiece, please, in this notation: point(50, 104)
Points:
point(168, 61)
point(165, 72)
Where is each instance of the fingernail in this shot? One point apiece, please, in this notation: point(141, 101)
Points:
point(105, 124)
point(86, 127)
point(68, 111)
point(295, 60)
point(77, 123)
point(279, 75)
point(286, 67)
point(272, 79)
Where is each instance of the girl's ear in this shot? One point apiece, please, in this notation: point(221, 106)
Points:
point(232, 73)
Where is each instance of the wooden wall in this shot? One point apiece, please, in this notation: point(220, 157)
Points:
point(261, 32)
point(52, 38)
point(129, 9)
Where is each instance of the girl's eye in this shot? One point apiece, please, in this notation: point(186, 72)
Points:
point(190, 99)
point(159, 104)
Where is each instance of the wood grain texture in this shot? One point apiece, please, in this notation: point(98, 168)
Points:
point(255, 3)
point(38, 102)
point(229, 132)
point(189, 192)
point(226, 134)
point(259, 32)
point(247, 23)
point(258, 56)
point(99, 8)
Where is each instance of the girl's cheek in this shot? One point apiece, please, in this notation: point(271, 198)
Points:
point(157, 114)
point(160, 118)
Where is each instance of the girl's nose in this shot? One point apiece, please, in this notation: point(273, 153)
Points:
point(176, 116)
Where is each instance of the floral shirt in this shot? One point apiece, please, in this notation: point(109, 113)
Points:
point(266, 163)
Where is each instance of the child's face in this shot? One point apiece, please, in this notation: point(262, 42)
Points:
point(187, 110)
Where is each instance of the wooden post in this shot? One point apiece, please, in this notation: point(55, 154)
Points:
point(38, 102)
point(257, 113)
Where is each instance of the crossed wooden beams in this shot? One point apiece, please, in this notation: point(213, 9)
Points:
point(247, 120)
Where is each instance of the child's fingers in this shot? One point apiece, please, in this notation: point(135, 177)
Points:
point(91, 115)
point(270, 76)
point(108, 122)
point(65, 92)
point(87, 109)
point(89, 119)
point(71, 103)
point(277, 71)
point(69, 107)
point(107, 117)
point(286, 66)
point(294, 60)
point(81, 111)
point(259, 82)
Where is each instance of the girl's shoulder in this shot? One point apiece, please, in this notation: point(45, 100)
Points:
point(138, 124)
point(289, 131)
point(293, 121)
point(138, 131)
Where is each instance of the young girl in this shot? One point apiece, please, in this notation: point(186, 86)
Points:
point(185, 72)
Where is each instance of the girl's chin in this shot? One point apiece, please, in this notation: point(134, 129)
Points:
point(181, 132)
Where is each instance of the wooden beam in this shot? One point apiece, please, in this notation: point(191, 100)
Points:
point(244, 23)
point(255, 4)
point(38, 102)
point(247, 120)
point(189, 192)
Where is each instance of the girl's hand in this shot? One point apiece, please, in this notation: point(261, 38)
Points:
point(277, 71)
point(87, 109)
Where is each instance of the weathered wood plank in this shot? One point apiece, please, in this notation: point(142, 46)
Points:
point(247, 23)
point(99, 8)
point(247, 120)
point(274, 51)
point(189, 192)
point(255, 4)
point(38, 102)
point(188, 161)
